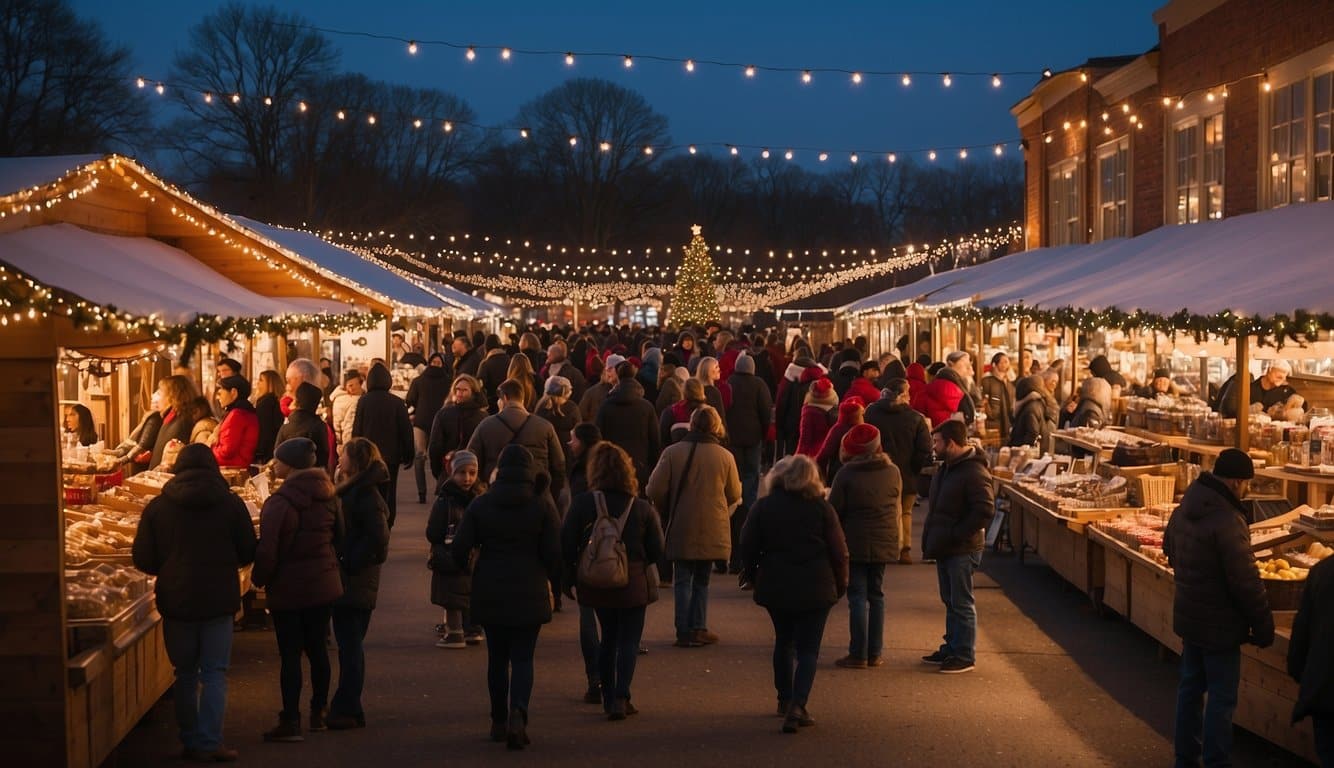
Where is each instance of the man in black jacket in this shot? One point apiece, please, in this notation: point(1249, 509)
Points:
point(194, 537)
point(628, 420)
point(962, 504)
point(905, 438)
point(748, 421)
point(426, 396)
point(1309, 659)
point(493, 370)
point(382, 418)
point(1220, 604)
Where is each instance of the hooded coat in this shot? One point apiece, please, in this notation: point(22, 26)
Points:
point(751, 412)
point(300, 530)
point(427, 395)
point(493, 371)
point(366, 543)
point(303, 423)
point(193, 537)
point(791, 398)
point(1309, 660)
point(628, 420)
point(865, 494)
point(452, 429)
point(904, 437)
point(1035, 413)
point(451, 581)
point(962, 505)
point(946, 395)
point(864, 388)
point(916, 376)
point(1220, 602)
point(697, 504)
point(1095, 403)
point(382, 418)
point(515, 529)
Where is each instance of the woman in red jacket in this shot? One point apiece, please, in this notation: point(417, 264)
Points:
point(818, 412)
point(238, 435)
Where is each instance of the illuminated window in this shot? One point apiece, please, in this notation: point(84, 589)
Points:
point(1287, 144)
point(1063, 204)
point(1321, 117)
point(1113, 162)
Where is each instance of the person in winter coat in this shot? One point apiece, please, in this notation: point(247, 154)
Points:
point(205, 429)
point(846, 367)
point(947, 394)
point(238, 435)
point(269, 410)
point(513, 425)
point(300, 531)
point(1220, 605)
point(1094, 407)
point(303, 422)
point(426, 396)
point(464, 358)
point(865, 494)
point(748, 422)
point(818, 414)
point(1309, 660)
point(696, 486)
point(382, 417)
point(797, 559)
point(962, 505)
point(594, 395)
point(670, 388)
point(788, 403)
point(674, 422)
point(582, 440)
point(891, 367)
point(493, 369)
point(627, 420)
point(998, 395)
point(864, 386)
point(363, 480)
point(137, 449)
point(556, 407)
point(716, 391)
point(1035, 413)
point(455, 423)
point(451, 582)
point(343, 406)
point(193, 537)
point(851, 412)
point(685, 348)
point(516, 531)
point(177, 394)
point(916, 376)
point(648, 375)
point(613, 492)
point(905, 438)
point(558, 364)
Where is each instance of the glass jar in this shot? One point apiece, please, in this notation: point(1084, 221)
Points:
point(1281, 453)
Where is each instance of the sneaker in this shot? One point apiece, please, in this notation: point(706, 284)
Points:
point(705, 637)
point(594, 693)
point(317, 720)
point(617, 710)
point(474, 637)
point(688, 641)
point(955, 665)
point(452, 640)
point(935, 658)
point(441, 629)
point(874, 661)
point(286, 731)
point(851, 662)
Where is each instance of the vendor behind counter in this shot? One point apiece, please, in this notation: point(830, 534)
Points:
point(1271, 389)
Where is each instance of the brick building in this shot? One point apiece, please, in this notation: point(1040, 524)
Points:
point(1230, 113)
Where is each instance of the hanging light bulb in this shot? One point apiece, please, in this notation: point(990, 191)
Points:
point(691, 149)
point(574, 140)
point(1000, 150)
point(893, 158)
point(854, 157)
point(764, 154)
point(470, 54)
point(1066, 125)
point(208, 97)
point(139, 81)
point(931, 155)
point(569, 59)
point(1047, 138)
point(856, 78)
point(342, 115)
point(806, 76)
point(1125, 109)
point(824, 156)
point(605, 146)
point(160, 88)
point(412, 47)
point(370, 119)
point(417, 123)
point(523, 133)
point(787, 155)
point(648, 150)
point(448, 126)
point(301, 106)
point(506, 53)
point(735, 151)
point(907, 80)
point(963, 154)
point(948, 80)
point(268, 101)
point(750, 71)
point(690, 65)
point(1046, 73)
point(236, 98)
point(629, 62)
point(995, 81)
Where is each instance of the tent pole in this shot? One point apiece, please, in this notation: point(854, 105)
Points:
point(1243, 393)
point(977, 364)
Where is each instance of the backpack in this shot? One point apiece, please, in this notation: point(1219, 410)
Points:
point(603, 564)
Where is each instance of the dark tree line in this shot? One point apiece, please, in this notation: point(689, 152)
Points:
point(264, 156)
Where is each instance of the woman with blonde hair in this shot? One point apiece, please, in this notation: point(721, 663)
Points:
point(612, 491)
point(454, 424)
point(177, 394)
point(716, 391)
point(521, 370)
point(796, 556)
point(269, 387)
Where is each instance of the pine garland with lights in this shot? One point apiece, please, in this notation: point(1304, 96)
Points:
point(695, 298)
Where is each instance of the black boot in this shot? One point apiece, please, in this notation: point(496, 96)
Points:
point(516, 736)
point(594, 693)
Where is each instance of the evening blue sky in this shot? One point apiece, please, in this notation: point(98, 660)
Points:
point(713, 104)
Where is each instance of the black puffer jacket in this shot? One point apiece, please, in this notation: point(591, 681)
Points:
point(193, 537)
point(795, 553)
point(1034, 414)
point(451, 582)
point(752, 410)
point(270, 412)
point(302, 423)
point(427, 394)
point(628, 420)
point(382, 418)
point(865, 494)
point(962, 504)
point(365, 544)
point(1220, 602)
point(452, 429)
point(1309, 661)
point(492, 372)
point(904, 436)
point(516, 530)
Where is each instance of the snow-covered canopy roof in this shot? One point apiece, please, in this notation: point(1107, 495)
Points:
point(140, 275)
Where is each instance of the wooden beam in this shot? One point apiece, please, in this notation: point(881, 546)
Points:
point(1243, 392)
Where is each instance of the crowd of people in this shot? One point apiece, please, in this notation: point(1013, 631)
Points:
point(596, 465)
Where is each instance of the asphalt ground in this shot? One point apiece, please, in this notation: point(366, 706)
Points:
point(1056, 684)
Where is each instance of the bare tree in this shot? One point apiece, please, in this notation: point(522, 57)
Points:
point(889, 185)
point(266, 57)
point(63, 87)
point(594, 179)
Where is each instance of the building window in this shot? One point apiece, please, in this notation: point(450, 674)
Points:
point(1287, 145)
point(1063, 197)
point(1113, 160)
point(1321, 116)
point(1186, 158)
point(1197, 169)
point(1211, 130)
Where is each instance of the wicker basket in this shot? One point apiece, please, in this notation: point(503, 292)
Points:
point(1284, 595)
point(1156, 489)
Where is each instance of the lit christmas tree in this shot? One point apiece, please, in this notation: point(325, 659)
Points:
point(695, 300)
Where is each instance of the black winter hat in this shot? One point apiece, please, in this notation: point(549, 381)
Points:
point(195, 456)
point(296, 452)
point(492, 342)
point(1233, 464)
point(671, 358)
point(237, 383)
point(588, 433)
point(308, 396)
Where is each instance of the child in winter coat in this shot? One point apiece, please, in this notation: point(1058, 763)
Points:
point(451, 582)
point(818, 413)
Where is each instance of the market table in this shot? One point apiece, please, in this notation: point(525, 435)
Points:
point(1058, 539)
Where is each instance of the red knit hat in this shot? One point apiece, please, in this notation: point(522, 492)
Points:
point(849, 407)
point(822, 387)
point(861, 440)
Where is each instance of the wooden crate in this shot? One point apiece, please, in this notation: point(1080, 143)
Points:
point(1116, 579)
point(107, 696)
point(1151, 594)
point(1266, 697)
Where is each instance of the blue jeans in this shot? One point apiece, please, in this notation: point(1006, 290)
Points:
point(955, 575)
point(349, 628)
point(864, 591)
point(621, 630)
point(509, 668)
point(588, 641)
point(200, 651)
point(690, 589)
point(797, 638)
point(302, 631)
point(1218, 674)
